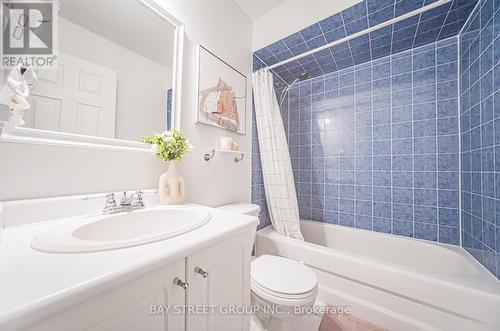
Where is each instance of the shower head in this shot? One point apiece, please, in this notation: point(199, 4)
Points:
point(303, 76)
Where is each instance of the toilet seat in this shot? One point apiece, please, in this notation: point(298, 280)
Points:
point(283, 281)
point(283, 299)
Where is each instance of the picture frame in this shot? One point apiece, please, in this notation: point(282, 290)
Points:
point(221, 93)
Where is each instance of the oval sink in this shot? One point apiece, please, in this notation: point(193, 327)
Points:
point(106, 232)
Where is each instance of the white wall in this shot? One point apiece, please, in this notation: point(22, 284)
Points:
point(293, 16)
point(142, 85)
point(223, 28)
point(28, 171)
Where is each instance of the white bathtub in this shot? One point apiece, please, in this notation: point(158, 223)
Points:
point(395, 282)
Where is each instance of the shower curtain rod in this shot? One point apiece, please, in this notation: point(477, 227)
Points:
point(363, 32)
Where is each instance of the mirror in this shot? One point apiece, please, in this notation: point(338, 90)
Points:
point(116, 72)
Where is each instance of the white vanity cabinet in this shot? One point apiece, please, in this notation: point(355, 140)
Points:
point(219, 278)
point(141, 304)
point(127, 306)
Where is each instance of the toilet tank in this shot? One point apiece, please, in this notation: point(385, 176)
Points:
point(242, 208)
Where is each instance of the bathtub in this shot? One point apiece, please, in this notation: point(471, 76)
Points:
point(395, 282)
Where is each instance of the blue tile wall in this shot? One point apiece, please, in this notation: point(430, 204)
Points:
point(433, 25)
point(375, 146)
point(480, 134)
point(374, 136)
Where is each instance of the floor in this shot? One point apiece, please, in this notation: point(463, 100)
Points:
point(334, 322)
point(330, 322)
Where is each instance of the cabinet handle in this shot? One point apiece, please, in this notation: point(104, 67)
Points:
point(180, 283)
point(202, 272)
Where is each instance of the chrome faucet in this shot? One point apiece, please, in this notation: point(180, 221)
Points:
point(110, 203)
point(127, 203)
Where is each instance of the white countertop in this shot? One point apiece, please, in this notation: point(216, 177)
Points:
point(34, 285)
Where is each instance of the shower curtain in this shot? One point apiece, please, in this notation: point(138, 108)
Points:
point(276, 165)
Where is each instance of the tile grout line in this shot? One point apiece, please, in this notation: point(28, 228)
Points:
point(459, 114)
point(445, 19)
point(477, 6)
point(391, 75)
point(437, 147)
point(355, 109)
point(413, 133)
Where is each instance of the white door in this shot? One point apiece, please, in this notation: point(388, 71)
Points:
point(226, 284)
point(77, 97)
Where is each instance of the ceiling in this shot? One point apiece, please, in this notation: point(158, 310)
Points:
point(256, 8)
point(126, 23)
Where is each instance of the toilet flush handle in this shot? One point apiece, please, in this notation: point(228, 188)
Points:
point(202, 272)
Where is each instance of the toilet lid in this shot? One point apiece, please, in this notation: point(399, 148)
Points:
point(282, 275)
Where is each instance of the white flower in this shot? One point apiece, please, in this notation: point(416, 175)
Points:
point(190, 147)
point(153, 149)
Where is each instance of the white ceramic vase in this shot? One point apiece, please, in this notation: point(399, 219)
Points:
point(171, 187)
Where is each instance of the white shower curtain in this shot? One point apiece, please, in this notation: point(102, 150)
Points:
point(276, 165)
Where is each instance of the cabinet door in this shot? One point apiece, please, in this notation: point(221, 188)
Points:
point(139, 304)
point(226, 284)
point(135, 317)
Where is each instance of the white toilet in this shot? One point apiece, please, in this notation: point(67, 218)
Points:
point(282, 288)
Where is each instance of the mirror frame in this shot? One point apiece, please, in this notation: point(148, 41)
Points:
point(45, 137)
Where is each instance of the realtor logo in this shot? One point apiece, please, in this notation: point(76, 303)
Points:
point(28, 36)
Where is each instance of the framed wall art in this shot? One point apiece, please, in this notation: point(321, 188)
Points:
point(221, 93)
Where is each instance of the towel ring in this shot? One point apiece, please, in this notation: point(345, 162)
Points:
point(236, 159)
point(210, 155)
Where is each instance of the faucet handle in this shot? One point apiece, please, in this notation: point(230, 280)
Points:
point(110, 202)
point(110, 198)
point(138, 197)
point(124, 199)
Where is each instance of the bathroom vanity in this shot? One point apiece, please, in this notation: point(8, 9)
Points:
point(185, 282)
